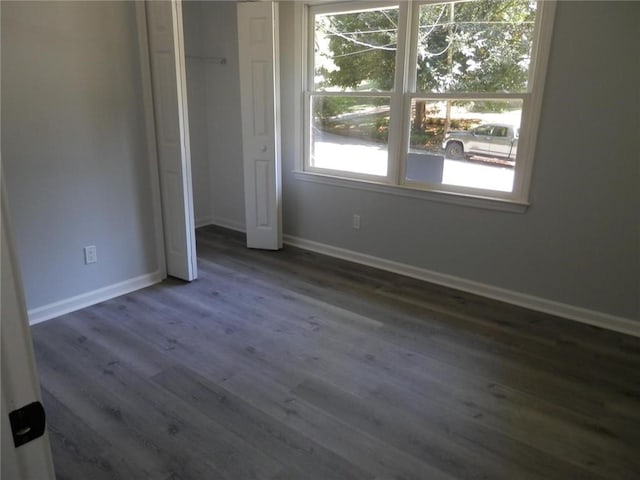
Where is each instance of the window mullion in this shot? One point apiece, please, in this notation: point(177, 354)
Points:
point(469, 95)
point(409, 67)
point(310, 67)
point(397, 117)
point(330, 93)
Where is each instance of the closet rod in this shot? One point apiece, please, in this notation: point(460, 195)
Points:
point(220, 60)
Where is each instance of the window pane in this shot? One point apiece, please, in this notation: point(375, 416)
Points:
point(470, 143)
point(356, 51)
point(350, 134)
point(475, 46)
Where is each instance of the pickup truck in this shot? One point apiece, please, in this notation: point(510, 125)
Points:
point(490, 140)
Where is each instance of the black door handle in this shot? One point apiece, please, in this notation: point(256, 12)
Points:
point(27, 423)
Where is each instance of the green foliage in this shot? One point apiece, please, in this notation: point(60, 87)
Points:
point(430, 136)
point(375, 126)
point(481, 46)
point(328, 107)
point(493, 106)
point(381, 132)
point(353, 116)
point(363, 48)
point(464, 46)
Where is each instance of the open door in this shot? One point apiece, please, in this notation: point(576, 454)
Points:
point(26, 453)
point(168, 78)
point(259, 89)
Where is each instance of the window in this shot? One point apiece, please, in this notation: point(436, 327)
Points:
point(440, 96)
point(353, 76)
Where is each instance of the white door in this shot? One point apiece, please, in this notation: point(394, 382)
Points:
point(259, 89)
point(168, 78)
point(20, 385)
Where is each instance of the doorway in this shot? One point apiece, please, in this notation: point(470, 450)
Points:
point(215, 125)
point(181, 38)
point(232, 89)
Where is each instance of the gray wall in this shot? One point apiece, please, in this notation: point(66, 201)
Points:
point(75, 161)
point(213, 92)
point(73, 146)
point(579, 243)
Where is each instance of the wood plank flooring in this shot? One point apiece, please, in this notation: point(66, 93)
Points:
point(292, 365)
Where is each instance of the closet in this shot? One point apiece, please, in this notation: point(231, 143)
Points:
point(215, 128)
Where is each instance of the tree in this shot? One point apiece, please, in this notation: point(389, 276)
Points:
point(465, 46)
point(483, 47)
point(362, 47)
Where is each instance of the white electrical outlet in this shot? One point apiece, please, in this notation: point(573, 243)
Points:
point(356, 221)
point(90, 254)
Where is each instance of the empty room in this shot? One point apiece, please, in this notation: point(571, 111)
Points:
point(320, 240)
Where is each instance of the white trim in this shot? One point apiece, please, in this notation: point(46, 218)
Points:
point(406, 190)
point(398, 121)
point(396, 163)
point(571, 312)
point(300, 134)
point(532, 108)
point(363, 93)
point(52, 310)
point(227, 223)
point(19, 383)
point(438, 96)
point(351, 7)
point(222, 222)
point(152, 152)
point(185, 144)
point(204, 221)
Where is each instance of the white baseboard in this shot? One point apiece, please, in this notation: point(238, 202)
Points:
point(571, 312)
point(203, 222)
point(47, 312)
point(226, 223)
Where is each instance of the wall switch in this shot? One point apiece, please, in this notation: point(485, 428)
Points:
point(356, 221)
point(90, 254)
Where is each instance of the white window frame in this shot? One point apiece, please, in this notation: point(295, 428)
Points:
point(394, 95)
point(404, 92)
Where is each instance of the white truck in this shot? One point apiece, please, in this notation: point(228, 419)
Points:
point(489, 140)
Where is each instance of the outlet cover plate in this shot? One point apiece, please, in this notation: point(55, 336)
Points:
point(90, 254)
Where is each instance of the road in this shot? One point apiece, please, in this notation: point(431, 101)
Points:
point(343, 153)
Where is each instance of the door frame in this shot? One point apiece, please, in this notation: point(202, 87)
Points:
point(160, 209)
point(20, 384)
point(150, 132)
point(147, 77)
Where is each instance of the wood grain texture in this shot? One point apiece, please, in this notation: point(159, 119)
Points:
point(293, 365)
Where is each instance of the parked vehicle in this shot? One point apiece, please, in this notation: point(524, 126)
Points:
point(489, 140)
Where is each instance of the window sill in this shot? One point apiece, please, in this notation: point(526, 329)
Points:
point(467, 200)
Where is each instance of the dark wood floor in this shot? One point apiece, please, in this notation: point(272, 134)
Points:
point(292, 365)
